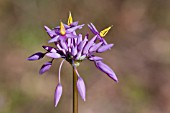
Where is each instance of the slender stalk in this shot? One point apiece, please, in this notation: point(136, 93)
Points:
point(75, 92)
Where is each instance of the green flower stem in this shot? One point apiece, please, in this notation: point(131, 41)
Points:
point(75, 92)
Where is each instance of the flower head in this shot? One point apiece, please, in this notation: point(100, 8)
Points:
point(73, 48)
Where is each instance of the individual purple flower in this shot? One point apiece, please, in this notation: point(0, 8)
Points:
point(74, 50)
point(100, 34)
point(63, 31)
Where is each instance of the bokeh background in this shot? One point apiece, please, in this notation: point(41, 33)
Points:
point(140, 57)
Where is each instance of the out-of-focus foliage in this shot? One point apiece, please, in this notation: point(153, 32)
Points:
point(140, 57)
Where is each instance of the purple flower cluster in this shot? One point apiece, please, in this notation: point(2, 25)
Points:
point(74, 48)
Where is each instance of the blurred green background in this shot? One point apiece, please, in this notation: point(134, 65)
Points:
point(140, 57)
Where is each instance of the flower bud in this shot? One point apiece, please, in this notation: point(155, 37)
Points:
point(57, 94)
point(45, 67)
point(81, 88)
point(36, 56)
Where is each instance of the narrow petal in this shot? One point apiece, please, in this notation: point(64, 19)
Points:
point(74, 50)
point(50, 49)
point(74, 28)
point(95, 58)
point(63, 45)
point(57, 94)
point(104, 48)
point(101, 39)
point(61, 49)
point(88, 45)
point(50, 32)
point(79, 39)
point(47, 28)
point(106, 69)
point(66, 26)
point(69, 42)
point(55, 39)
point(104, 41)
point(36, 56)
point(82, 44)
point(93, 29)
point(53, 55)
point(95, 47)
point(74, 23)
point(71, 35)
point(45, 67)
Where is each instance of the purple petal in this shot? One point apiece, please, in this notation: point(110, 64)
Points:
point(36, 56)
point(104, 48)
point(63, 45)
point(106, 69)
point(74, 28)
point(50, 49)
point(74, 24)
point(74, 50)
point(95, 47)
point(79, 39)
point(66, 26)
point(82, 44)
point(101, 39)
point(55, 39)
point(93, 29)
point(71, 35)
point(50, 32)
point(95, 58)
point(69, 42)
point(53, 55)
point(89, 44)
point(45, 67)
point(57, 94)
point(104, 41)
point(81, 88)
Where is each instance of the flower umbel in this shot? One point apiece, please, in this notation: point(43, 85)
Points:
point(74, 48)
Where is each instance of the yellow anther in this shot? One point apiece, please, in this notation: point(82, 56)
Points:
point(70, 19)
point(62, 29)
point(105, 31)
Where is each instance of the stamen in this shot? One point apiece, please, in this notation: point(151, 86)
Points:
point(70, 19)
point(62, 29)
point(105, 31)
